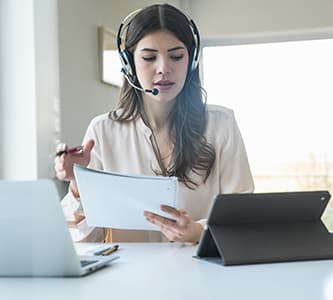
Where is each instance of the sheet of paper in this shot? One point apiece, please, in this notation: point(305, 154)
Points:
point(118, 200)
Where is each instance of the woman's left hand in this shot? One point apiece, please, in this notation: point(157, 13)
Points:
point(179, 229)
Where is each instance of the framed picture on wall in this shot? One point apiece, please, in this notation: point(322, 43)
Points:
point(109, 61)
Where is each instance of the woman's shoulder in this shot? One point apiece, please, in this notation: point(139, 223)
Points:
point(221, 123)
point(101, 120)
point(217, 113)
point(109, 122)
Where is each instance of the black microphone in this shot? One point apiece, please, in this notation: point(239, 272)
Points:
point(153, 91)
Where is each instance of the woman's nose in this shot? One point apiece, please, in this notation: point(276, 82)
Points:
point(163, 66)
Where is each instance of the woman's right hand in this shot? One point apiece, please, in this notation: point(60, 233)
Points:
point(63, 164)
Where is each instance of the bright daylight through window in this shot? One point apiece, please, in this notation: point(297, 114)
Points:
point(282, 97)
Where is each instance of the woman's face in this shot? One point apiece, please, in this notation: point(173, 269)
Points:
point(161, 62)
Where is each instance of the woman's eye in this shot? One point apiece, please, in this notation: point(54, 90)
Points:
point(148, 58)
point(177, 57)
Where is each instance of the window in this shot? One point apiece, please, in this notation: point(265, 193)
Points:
point(282, 97)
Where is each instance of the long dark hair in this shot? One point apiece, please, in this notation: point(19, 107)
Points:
point(188, 118)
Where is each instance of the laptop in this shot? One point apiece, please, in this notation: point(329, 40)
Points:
point(35, 240)
point(266, 227)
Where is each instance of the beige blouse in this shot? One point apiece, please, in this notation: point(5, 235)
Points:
point(126, 147)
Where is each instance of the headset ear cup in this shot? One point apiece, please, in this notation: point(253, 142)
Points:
point(127, 60)
point(196, 50)
point(193, 64)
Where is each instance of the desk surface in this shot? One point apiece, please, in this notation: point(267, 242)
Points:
point(168, 271)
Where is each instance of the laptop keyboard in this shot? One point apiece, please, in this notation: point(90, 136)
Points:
point(87, 262)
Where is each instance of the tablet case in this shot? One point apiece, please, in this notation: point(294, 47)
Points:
point(266, 227)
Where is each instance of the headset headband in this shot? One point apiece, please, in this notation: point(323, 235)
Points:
point(125, 55)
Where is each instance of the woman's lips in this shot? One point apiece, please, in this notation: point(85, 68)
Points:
point(164, 85)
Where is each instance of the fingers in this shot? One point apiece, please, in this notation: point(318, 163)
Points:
point(171, 210)
point(176, 229)
point(180, 215)
point(88, 147)
point(172, 235)
point(167, 226)
point(159, 220)
point(63, 169)
point(63, 163)
point(61, 147)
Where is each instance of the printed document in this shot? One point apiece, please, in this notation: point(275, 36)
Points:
point(117, 200)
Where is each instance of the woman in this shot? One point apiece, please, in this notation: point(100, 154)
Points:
point(162, 126)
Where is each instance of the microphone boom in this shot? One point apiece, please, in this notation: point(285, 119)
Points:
point(153, 91)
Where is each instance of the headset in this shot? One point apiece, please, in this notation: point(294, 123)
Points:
point(126, 57)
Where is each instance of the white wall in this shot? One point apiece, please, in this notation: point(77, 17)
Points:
point(2, 75)
point(17, 86)
point(218, 18)
point(47, 84)
point(29, 85)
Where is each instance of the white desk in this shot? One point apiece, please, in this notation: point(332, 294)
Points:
point(168, 271)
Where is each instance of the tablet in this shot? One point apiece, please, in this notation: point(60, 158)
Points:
point(266, 227)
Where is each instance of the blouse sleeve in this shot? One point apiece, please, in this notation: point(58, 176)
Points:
point(72, 206)
point(235, 174)
point(232, 173)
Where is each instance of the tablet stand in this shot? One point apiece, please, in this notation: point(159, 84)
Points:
point(270, 234)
